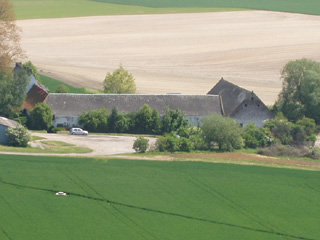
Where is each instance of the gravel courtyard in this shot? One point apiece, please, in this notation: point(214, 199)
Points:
point(100, 144)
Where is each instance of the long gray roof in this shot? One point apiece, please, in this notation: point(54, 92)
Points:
point(8, 122)
point(76, 104)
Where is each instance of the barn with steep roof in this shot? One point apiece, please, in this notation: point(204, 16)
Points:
point(240, 104)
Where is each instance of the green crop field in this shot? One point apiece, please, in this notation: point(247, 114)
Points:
point(27, 9)
point(130, 199)
point(298, 6)
point(33, 9)
point(52, 85)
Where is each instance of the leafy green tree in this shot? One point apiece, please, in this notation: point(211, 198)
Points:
point(131, 117)
point(13, 89)
point(253, 136)
point(280, 128)
point(144, 120)
point(117, 123)
point(167, 143)
point(161, 144)
point(155, 124)
point(18, 136)
point(34, 70)
point(185, 144)
point(62, 89)
point(298, 134)
point(141, 145)
point(300, 95)
point(173, 120)
point(223, 131)
point(41, 117)
point(95, 120)
point(120, 81)
point(112, 119)
point(121, 124)
point(309, 128)
point(198, 142)
point(172, 143)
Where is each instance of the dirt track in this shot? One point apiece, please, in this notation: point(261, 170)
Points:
point(186, 53)
point(242, 157)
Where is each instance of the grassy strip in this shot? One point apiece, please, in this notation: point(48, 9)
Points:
point(34, 138)
point(52, 85)
point(48, 147)
point(35, 9)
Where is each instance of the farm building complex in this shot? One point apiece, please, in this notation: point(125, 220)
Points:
point(225, 99)
point(68, 107)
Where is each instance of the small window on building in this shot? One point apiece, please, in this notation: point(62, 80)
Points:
point(258, 105)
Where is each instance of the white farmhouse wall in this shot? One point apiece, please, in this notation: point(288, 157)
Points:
point(252, 111)
point(73, 121)
point(4, 139)
point(66, 121)
point(194, 120)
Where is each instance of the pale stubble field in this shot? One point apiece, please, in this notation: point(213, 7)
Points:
point(174, 53)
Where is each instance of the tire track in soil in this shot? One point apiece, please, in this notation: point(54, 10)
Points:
point(312, 188)
point(161, 212)
point(5, 233)
point(237, 207)
point(1, 229)
point(10, 206)
point(116, 209)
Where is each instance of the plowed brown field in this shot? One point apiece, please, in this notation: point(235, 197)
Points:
point(185, 53)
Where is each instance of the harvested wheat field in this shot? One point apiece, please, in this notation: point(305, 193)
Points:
point(180, 53)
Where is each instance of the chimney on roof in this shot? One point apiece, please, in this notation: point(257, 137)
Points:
point(17, 68)
point(19, 64)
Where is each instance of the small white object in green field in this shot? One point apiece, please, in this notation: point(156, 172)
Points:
point(61, 194)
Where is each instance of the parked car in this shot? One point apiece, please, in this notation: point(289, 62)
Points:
point(78, 131)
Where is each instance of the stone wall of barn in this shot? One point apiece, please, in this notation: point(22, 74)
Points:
point(252, 110)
